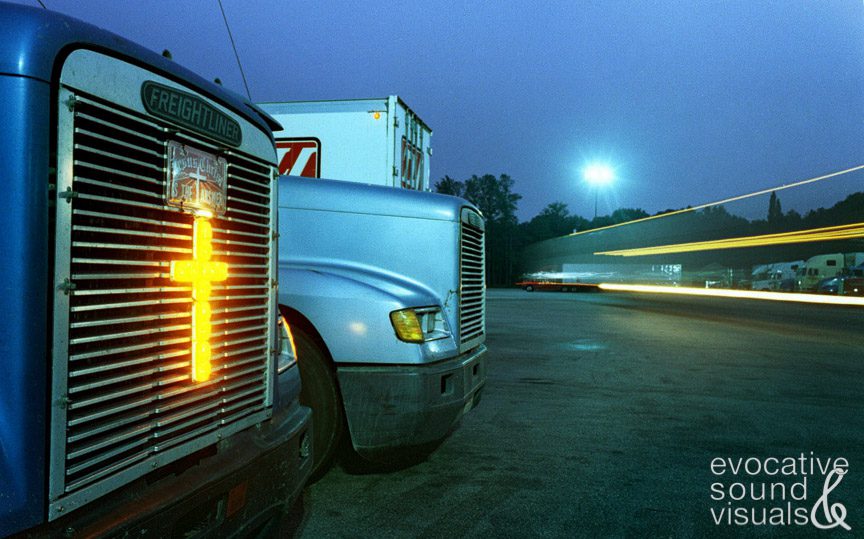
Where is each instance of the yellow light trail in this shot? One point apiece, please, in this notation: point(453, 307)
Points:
point(201, 272)
point(745, 294)
point(830, 233)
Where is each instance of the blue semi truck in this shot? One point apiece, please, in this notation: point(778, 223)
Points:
point(145, 388)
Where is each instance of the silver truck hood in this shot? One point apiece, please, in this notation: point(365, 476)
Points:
point(343, 196)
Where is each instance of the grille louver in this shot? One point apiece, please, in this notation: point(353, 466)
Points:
point(472, 279)
point(129, 397)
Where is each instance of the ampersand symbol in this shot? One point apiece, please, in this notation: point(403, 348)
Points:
point(835, 513)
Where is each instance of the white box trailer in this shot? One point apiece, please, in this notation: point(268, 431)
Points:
point(825, 266)
point(378, 141)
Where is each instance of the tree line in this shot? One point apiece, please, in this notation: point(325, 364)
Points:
point(506, 237)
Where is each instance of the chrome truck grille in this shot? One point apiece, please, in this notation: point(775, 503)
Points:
point(123, 327)
point(472, 280)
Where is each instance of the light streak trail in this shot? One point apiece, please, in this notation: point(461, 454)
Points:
point(742, 294)
point(830, 233)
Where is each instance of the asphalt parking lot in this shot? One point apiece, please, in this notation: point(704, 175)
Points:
point(602, 414)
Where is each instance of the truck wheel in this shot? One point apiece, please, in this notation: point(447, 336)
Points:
point(529, 288)
point(320, 393)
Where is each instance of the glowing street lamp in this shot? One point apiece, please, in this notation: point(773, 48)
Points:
point(598, 175)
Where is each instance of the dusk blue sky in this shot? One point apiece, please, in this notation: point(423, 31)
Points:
point(689, 101)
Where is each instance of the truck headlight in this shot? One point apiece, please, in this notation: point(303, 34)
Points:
point(420, 324)
point(287, 350)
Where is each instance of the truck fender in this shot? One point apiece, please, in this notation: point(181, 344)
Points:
point(350, 311)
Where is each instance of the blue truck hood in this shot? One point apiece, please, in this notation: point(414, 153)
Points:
point(34, 39)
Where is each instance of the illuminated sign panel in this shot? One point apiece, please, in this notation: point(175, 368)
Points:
point(197, 180)
point(197, 183)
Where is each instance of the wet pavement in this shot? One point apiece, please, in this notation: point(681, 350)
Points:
point(603, 413)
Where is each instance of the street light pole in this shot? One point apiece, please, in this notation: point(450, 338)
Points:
point(598, 175)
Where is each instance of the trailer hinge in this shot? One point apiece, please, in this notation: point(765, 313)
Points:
point(68, 195)
point(395, 171)
point(395, 121)
point(275, 235)
point(71, 102)
point(67, 286)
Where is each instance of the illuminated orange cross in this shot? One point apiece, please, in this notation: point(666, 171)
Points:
point(201, 272)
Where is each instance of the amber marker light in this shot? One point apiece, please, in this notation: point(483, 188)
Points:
point(201, 272)
point(287, 347)
point(746, 294)
point(289, 337)
point(407, 325)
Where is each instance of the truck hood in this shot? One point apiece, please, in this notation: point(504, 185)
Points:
point(34, 39)
point(342, 196)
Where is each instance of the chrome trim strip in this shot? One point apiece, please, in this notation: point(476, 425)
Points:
point(62, 267)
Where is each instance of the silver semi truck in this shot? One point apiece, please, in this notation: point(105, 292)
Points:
point(384, 291)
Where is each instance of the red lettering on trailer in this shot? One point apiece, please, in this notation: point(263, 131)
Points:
point(299, 157)
point(412, 166)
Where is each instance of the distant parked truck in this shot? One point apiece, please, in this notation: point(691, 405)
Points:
point(850, 282)
point(772, 276)
point(821, 267)
point(378, 141)
point(384, 292)
point(552, 285)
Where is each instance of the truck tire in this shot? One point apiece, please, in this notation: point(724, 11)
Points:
point(320, 393)
point(529, 288)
